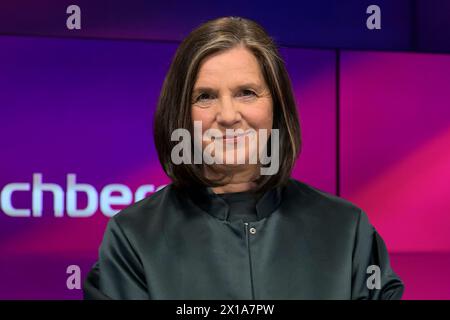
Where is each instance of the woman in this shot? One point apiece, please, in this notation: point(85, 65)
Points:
point(233, 224)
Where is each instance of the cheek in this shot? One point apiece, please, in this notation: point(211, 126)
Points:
point(260, 117)
point(205, 116)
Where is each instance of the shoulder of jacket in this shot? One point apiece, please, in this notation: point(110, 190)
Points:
point(146, 209)
point(322, 202)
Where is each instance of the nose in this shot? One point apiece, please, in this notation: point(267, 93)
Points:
point(228, 114)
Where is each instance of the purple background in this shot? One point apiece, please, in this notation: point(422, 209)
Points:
point(85, 107)
point(407, 25)
point(375, 125)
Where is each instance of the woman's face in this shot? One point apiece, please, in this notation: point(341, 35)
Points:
point(230, 93)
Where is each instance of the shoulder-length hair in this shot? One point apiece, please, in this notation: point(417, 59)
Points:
point(174, 105)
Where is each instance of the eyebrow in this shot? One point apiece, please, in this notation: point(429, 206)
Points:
point(247, 85)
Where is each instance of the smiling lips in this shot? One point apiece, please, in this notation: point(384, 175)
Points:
point(227, 138)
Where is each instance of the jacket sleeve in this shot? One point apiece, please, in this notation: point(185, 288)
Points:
point(372, 275)
point(118, 273)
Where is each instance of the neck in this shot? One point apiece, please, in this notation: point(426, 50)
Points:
point(235, 187)
point(238, 181)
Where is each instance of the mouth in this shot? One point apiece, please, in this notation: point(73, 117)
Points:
point(231, 138)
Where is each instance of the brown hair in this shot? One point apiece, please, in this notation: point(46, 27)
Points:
point(174, 105)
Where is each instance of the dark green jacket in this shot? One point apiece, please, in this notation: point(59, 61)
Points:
point(178, 244)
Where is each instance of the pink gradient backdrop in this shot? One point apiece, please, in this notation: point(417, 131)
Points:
point(395, 159)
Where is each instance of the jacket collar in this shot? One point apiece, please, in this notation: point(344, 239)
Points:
point(210, 202)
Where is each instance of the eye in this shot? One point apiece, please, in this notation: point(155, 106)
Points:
point(247, 93)
point(203, 97)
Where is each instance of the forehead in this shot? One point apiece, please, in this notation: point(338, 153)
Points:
point(236, 64)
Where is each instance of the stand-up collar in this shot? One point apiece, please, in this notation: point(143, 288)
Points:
point(213, 204)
